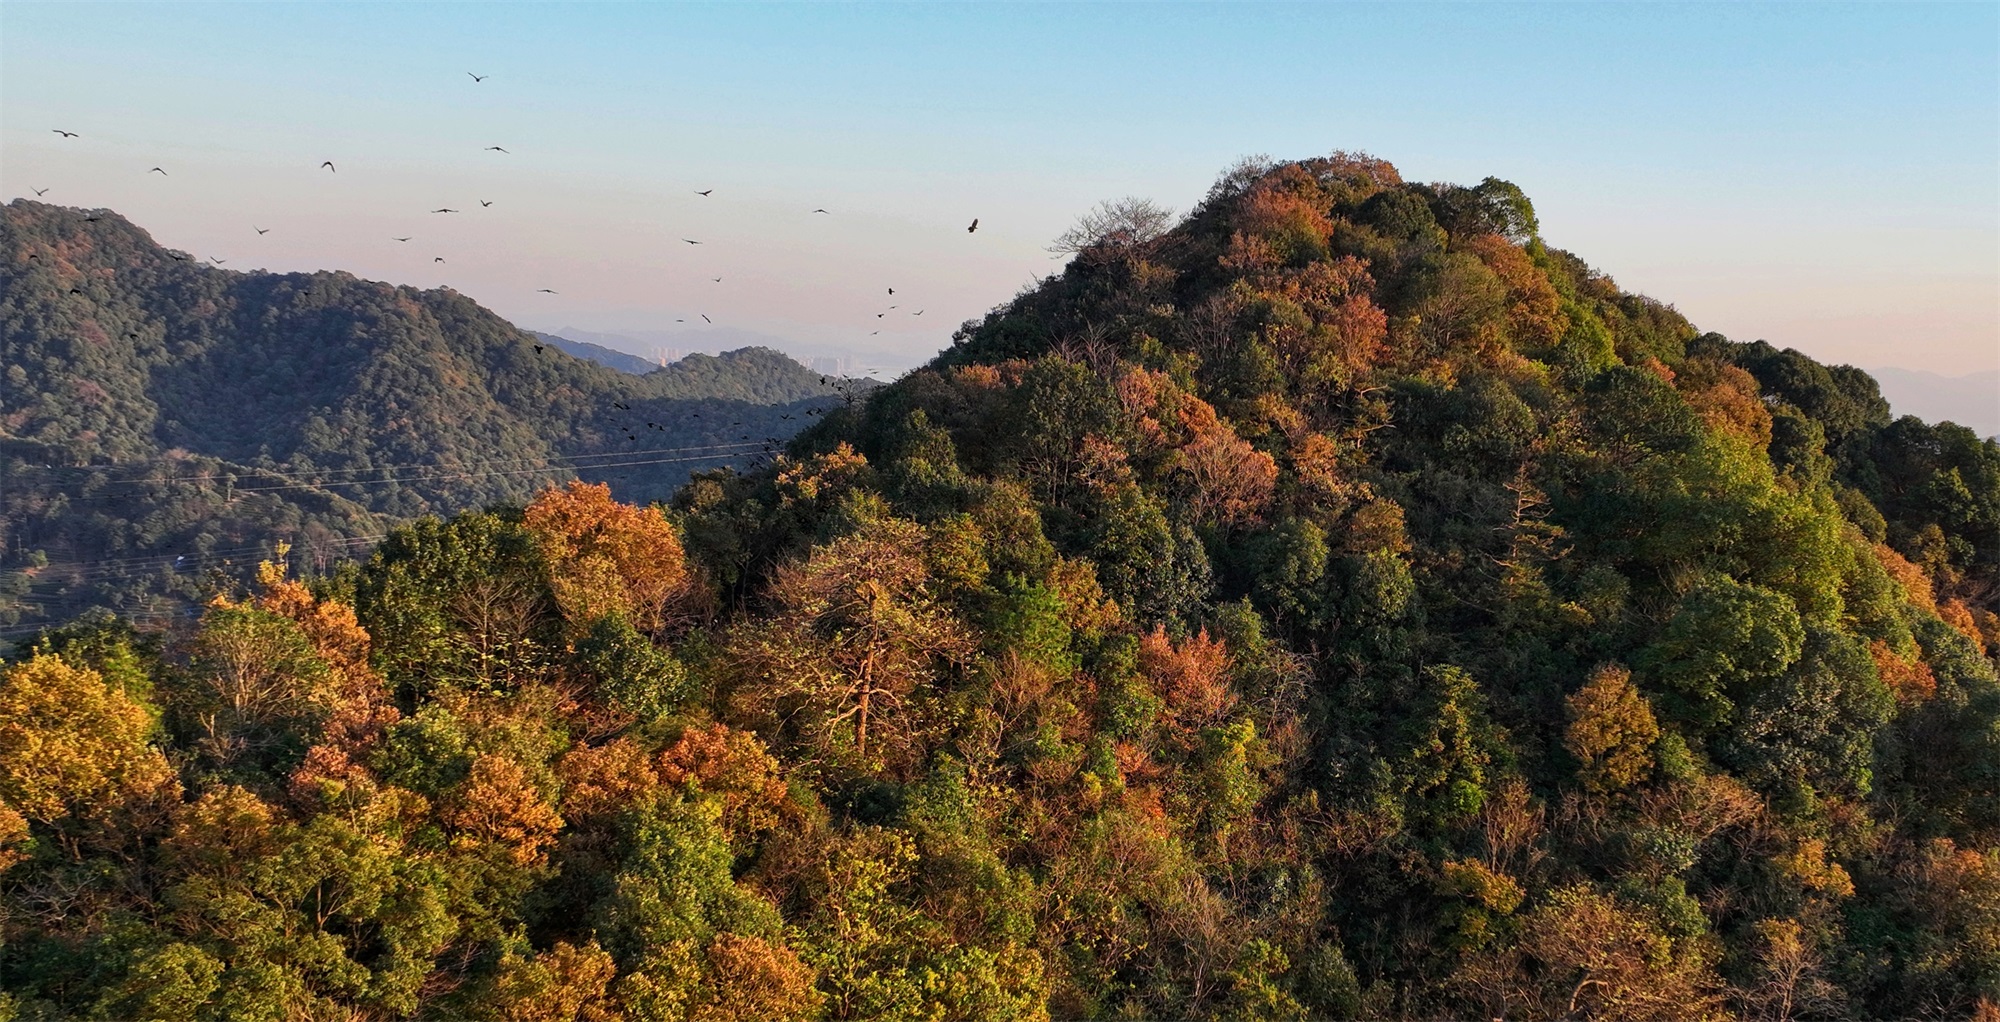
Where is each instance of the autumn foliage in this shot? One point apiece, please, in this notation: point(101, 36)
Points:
point(1342, 604)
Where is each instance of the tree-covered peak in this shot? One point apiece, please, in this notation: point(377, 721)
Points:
point(1337, 604)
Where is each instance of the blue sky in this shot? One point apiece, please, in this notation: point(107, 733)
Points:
point(1825, 177)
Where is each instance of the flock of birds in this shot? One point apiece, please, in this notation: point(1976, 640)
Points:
point(769, 444)
point(329, 167)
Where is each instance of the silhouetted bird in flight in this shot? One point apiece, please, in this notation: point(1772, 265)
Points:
point(892, 290)
point(538, 349)
point(39, 192)
point(75, 291)
point(177, 257)
point(705, 319)
point(328, 164)
point(158, 171)
point(974, 227)
point(718, 280)
point(439, 259)
point(705, 192)
point(444, 211)
point(483, 203)
point(216, 261)
point(544, 291)
point(479, 78)
point(399, 239)
point(919, 312)
point(879, 315)
point(65, 134)
point(691, 241)
point(496, 149)
point(822, 211)
point(260, 230)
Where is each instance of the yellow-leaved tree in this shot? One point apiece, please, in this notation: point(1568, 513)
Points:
point(72, 747)
point(854, 630)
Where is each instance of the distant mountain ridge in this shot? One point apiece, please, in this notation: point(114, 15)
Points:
point(156, 408)
point(598, 353)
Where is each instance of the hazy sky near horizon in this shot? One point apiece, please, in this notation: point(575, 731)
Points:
point(1823, 177)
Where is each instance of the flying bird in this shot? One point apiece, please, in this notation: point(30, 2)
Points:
point(691, 241)
point(439, 259)
point(399, 239)
point(538, 349)
point(260, 230)
point(822, 211)
point(65, 134)
point(705, 319)
point(216, 261)
point(892, 290)
point(39, 192)
point(919, 312)
point(479, 78)
point(444, 211)
point(496, 149)
point(483, 203)
point(158, 171)
point(974, 227)
point(544, 291)
point(328, 164)
point(704, 192)
point(716, 279)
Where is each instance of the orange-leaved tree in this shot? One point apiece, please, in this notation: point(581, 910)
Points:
point(606, 557)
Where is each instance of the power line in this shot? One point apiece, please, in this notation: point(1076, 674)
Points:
point(321, 473)
point(730, 450)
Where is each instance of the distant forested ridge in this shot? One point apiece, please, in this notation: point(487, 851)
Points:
point(598, 353)
point(156, 408)
point(1339, 604)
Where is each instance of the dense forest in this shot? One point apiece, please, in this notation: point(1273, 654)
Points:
point(1338, 604)
point(165, 420)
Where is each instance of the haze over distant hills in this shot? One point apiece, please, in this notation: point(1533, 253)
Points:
point(162, 416)
point(651, 345)
point(1972, 400)
point(598, 353)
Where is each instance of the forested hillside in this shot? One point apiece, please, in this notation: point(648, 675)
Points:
point(1340, 605)
point(164, 417)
